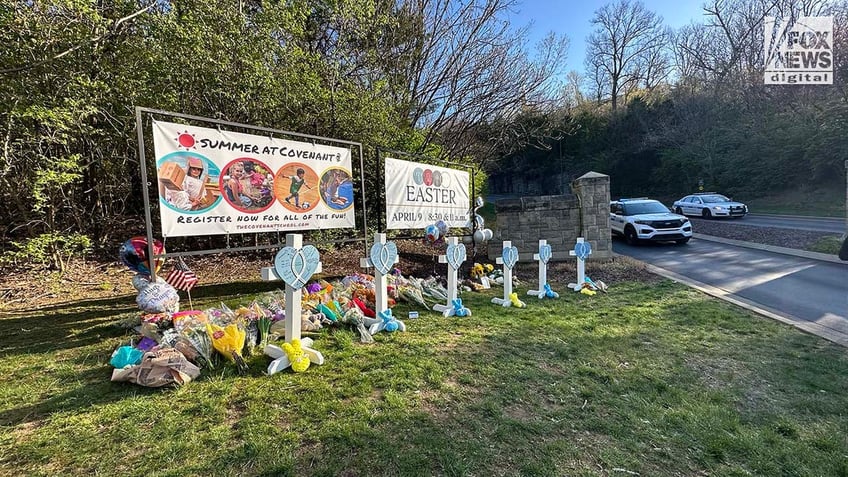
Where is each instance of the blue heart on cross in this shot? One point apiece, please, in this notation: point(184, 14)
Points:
point(544, 253)
point(296, 266)
point(582, 250)
point(455, 255)
point(510, 256)
point(384, 256)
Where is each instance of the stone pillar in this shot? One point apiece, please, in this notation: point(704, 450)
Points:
point(592, 189)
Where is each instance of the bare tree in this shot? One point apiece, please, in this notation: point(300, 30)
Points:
point(625, 48)
point(728, 48)
point(473, 67)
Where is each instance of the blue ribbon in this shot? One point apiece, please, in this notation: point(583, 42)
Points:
point(550, 293)
point(458, 309)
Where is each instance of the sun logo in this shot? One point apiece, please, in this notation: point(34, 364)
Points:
point(186, 140)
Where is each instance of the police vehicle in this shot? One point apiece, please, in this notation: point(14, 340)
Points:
point(645, 219)
point(708, 205)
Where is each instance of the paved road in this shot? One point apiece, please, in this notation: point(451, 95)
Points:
point(806, 289)
point(818, 224)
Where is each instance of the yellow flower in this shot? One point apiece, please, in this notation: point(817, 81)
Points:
point(228, 341)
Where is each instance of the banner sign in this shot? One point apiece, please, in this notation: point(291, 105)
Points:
point(215, 182)
point(418, 195)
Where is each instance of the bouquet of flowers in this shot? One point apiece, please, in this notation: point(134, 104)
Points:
point(202, 343)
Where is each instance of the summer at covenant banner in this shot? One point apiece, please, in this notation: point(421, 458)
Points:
point(218, 182)
point(418, 195)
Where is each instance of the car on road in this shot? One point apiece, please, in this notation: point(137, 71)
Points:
point(709, 205)
point(647, 219)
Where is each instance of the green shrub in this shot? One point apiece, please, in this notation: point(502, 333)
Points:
point(49, 250)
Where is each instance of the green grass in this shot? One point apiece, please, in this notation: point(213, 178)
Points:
point(819, 202)
point(655, 379)
point(829, 245)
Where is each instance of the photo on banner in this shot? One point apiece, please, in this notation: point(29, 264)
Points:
point(418, 195)
point(213, 182)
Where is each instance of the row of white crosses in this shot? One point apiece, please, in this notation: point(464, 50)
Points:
point(509, 257)
point(295, 265)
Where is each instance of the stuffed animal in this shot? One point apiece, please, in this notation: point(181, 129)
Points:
point(513, 298)
point(299, 360)
point(458, 309)
point(387, 322)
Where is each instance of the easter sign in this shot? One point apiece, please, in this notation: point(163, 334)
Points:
point(418, 195)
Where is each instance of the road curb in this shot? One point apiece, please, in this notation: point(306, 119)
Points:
point(829, 334)
point(771, 248)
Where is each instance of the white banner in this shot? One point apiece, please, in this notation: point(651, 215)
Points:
point(216, 182)
point(418, 195)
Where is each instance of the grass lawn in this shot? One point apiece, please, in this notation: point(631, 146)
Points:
point(829, 244)
point(819, 202)
point(654, 379)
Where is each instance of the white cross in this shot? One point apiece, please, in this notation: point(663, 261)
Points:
point(543, 272)
point(581, 266)
point(448, 309)
point(293, 320)
point(380, 282)
point(507, 277)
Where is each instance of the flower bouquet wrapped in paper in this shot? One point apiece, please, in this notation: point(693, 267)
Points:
point(229, 341)
point(202, 343)
point(432, 288)
point(412, 295)
point(354, 317)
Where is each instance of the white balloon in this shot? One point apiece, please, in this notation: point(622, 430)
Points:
point(488, 234)
point(158, 298)
point(478, 236)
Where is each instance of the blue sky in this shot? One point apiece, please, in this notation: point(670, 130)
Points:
point(572, 18)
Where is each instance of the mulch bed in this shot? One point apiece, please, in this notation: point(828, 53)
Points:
point(86, 280)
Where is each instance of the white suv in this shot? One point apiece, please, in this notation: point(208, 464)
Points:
point(645, 219)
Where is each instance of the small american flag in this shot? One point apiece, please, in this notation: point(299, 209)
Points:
point(181, 277)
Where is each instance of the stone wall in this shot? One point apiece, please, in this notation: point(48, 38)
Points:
point(559, 219)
